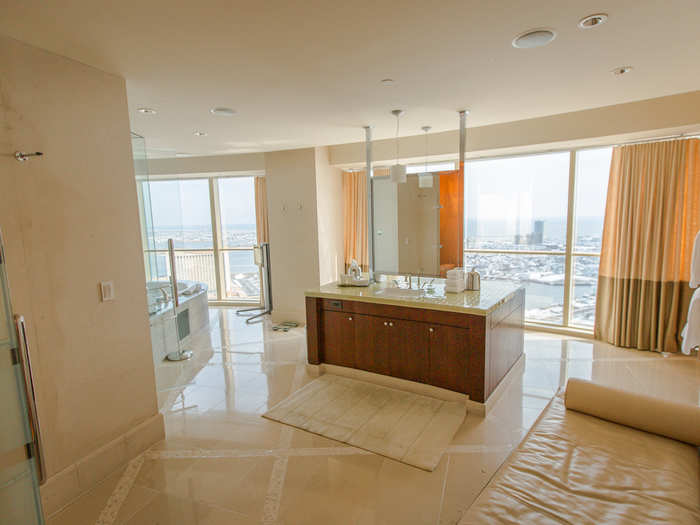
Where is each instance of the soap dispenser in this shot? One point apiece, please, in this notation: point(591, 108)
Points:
point(473, 280)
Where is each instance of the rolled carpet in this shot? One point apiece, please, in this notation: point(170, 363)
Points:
point(680, 421)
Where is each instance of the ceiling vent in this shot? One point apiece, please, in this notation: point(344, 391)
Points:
point(534, 38)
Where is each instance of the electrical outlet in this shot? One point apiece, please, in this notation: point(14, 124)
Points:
point(107, 291)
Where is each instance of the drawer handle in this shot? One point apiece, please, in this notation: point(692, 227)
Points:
point(386, 324)
point(431, 330)
point(349, 318)
point(391, 324)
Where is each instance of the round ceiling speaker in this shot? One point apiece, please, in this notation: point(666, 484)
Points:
point(534, 38)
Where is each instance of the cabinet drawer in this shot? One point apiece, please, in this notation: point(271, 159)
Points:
point(421, 315)
point(332, 304)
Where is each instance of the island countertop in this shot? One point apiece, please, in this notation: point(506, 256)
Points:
point(434, 297)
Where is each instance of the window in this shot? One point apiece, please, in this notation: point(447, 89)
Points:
point(182, 210)
point(516, 215)
point(432, 167)
point(238, 236)
point(515, 205)
point(592, 173)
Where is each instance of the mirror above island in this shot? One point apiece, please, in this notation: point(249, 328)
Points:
point(418, 224)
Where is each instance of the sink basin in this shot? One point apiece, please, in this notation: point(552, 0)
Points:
point(401, 293)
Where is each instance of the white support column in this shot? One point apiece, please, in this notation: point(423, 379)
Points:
point(570, 239)
point(216, 236)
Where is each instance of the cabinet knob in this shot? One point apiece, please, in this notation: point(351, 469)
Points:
point(431, 330)
point(391, 324)
point(350, 318)
point(386, 324)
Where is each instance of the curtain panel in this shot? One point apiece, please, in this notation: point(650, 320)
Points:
point(355, 218)
point(652, 216)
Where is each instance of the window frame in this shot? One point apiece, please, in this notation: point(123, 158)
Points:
point(569, 252)
point(216, 228)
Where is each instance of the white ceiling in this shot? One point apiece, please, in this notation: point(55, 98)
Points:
point(308, 73)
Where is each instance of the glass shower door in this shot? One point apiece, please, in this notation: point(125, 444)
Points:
point(160, 286)
point(19, 470)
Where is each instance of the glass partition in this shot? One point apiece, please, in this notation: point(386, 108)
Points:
point(160, 288)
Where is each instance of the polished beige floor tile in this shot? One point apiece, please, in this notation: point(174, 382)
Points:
point(165, 509)
point(88, 507)
point(236, 467)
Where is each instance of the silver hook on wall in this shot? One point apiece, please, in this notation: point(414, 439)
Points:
point(22, 156)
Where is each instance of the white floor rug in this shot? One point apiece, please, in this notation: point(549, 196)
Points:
point(407, 427)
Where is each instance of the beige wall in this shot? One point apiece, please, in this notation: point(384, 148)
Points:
point(253, 163)
point(605, 125)
point(70, 220)
point(329, 206)
point(292, 215)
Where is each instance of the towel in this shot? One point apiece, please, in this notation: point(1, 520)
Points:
point(695, 263)
point(692, 329)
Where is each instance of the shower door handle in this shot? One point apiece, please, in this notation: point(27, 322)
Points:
point(26, 366)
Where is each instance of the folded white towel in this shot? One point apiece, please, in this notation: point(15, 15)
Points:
point(455, 273)
point(695, 263)
point(691, 336)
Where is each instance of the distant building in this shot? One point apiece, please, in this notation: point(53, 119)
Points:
point(536, 237)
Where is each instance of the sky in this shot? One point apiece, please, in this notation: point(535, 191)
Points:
point(529, 187)
point(186, 202)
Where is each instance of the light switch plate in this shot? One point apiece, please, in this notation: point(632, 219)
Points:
point(107, 291)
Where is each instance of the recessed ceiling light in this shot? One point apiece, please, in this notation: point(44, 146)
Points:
point(534, 38)
point(387, 82)
point(200, 133)
point(147, 111)
point(593, 21)
point(621, 70)
point(225, 112)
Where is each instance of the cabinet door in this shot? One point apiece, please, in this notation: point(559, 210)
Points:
point(449, 356)
point(372, 343)
point(338, 338)
point(409, 350)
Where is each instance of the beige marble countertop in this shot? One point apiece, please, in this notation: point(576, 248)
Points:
point(433, 297)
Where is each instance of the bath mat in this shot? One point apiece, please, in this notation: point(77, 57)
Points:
point(407, 427)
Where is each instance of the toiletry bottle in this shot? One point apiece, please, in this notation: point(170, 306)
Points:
point(474, 280)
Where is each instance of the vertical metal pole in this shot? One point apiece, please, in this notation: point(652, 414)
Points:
point(173, 273)
point(462, 151)
point(181, 354)
point(370, 203)
point(462, 137)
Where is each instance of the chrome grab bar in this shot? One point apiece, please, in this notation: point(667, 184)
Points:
point(26, 364)
point(173, 272)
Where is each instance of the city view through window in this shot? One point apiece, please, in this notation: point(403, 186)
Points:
point(181, 210)
point(516, 228)
point(516, 212)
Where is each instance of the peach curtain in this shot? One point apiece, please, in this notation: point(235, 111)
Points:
point(355, 223)
point(652, 216)
point(261, 226)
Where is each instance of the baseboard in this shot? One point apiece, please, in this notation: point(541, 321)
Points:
point(473, 407)
point(72, 482)
point(390, 382)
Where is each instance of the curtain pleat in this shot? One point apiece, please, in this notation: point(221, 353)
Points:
point(355, 222)
point(261, 225)
point(652, 216)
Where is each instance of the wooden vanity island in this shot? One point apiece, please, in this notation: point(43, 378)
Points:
point(464, 342)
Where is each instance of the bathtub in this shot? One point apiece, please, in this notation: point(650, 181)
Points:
point(170, 324)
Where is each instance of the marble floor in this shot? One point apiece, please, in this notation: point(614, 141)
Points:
point(222, 463)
